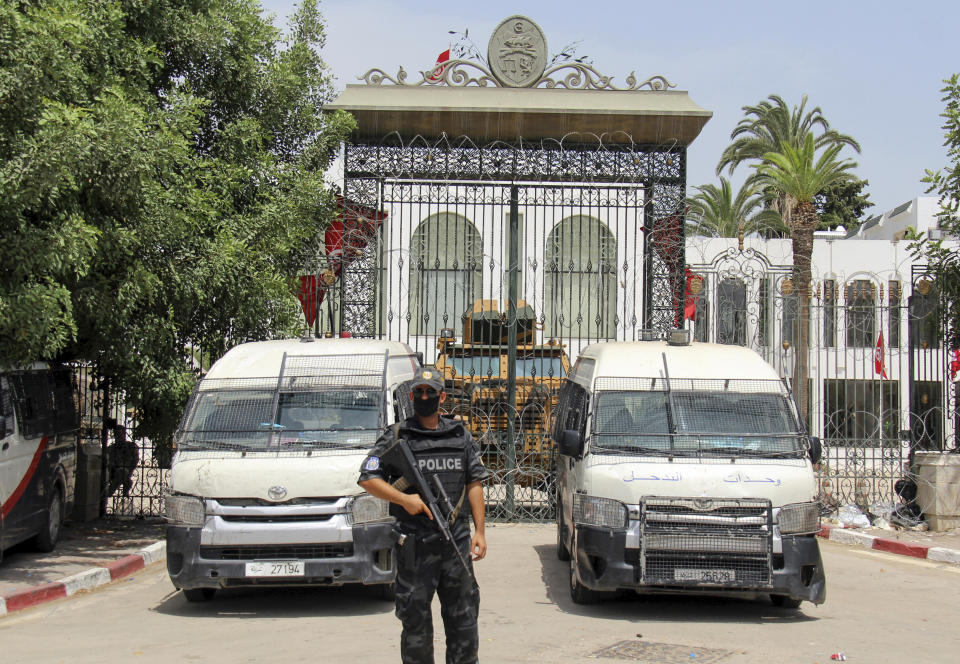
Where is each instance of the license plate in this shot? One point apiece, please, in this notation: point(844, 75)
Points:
point(276, 568)
point(707, 575)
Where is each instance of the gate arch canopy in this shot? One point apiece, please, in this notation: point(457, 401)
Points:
point(446, 253)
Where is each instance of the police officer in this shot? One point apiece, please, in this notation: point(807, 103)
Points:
point(426, 563)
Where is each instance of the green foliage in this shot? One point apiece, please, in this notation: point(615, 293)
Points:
point(944, 260)
point(161, 170)
point(771, 124)
point(799, 173)
point(842, 204)
point(718, 212)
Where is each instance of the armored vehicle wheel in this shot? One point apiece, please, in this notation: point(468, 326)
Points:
point(47, 538)
point(785, 602)
point(199, 594)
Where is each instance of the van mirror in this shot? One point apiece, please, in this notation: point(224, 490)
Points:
point(816, 449)
point(571, 444)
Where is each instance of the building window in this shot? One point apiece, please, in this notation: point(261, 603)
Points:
point(861, 318)
point(893, 334)
point(861, 413)
point(924, 322)
point(580, 294)
point(445, 278)
point(764, 326)
point(830, 313)
point(732, 312)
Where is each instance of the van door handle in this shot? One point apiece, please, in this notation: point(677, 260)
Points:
point(6, 446)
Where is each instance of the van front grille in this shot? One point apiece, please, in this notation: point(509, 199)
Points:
point(278, 552)
point(705, 542)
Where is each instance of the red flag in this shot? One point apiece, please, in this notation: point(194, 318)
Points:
point(955, 365)
point(437, 76)
point(879, 364)
point(307, 294)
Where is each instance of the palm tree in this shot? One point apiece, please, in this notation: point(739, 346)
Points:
point(716, 212)
point(771, 124)
point(800, 175)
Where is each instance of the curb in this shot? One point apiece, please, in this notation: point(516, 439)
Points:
point(848, 536)
point(88, 580)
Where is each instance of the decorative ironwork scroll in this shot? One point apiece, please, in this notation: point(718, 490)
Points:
point(517, 58)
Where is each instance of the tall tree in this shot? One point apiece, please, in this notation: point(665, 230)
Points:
point(801, 175)
point(161, 170)
point(717, 212)
point(770, 124)
point(944, 260)
point(842, 204)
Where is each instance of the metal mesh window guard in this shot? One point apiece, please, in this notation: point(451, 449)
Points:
point(697, 417)
point(318, 402)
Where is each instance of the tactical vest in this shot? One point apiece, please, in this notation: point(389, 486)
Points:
point(443, 455)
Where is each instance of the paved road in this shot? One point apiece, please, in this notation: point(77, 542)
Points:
point(880, 608)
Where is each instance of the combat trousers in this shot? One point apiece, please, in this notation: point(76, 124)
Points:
point(425, 566)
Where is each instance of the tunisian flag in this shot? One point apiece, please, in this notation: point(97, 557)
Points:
point(879, 353)
point(438, 76)
point(344, 240)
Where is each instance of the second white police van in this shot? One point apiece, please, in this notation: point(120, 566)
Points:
point(685, 467)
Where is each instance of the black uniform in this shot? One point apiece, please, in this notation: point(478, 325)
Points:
point(425, 562)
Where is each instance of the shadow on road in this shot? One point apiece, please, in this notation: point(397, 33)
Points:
point(661, 606)
point(279, 603)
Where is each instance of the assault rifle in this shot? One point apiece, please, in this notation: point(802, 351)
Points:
point(399, 456)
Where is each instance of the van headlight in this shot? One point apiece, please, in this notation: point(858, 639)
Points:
point(799, 519)
point(364, 509)
point(596, 511)
point(183, 510)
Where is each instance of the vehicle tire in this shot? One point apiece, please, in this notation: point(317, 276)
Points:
point(199, 594)
point(563, 553)
point(579, 593)
point(784, 602)
point(48, 536)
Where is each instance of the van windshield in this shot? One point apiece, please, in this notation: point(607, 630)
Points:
point(695, 423)
point(245, 419)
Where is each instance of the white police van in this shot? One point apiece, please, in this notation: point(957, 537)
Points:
point(263, 485)
point(38, 454)
point(685, 467)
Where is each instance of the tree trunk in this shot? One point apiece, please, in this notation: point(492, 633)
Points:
point(804, 223)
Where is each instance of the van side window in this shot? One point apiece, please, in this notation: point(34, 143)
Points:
point(35, 400)
point(572, 410)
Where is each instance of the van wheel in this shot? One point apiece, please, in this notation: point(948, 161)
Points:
point(785, 602)
point(563, 553)
point(199, 594)
point(579, 593)
point(47, 538)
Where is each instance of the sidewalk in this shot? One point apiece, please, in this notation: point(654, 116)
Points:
point(88, 555)
point(100, 552)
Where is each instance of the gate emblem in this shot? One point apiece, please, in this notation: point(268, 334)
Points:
point(276, 492)
point(517, 52)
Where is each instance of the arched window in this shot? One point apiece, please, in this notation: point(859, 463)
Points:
point(580, 296)
point(732, 312)
point(445, 278)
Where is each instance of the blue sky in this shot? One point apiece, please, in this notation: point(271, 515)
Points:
point(875, 68)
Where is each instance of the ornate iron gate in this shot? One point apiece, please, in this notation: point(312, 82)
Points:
point(500, 263)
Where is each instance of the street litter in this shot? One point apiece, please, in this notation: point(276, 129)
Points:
point(838, 657)
point(852, 517)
